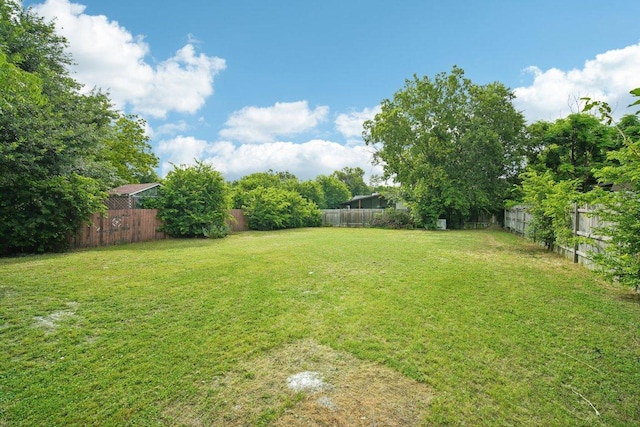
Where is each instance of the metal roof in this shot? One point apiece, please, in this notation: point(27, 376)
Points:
point(132, 189)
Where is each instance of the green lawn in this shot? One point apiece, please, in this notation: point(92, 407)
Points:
point(181, 332)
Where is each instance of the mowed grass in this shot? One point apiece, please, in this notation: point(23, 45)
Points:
point(502, 332)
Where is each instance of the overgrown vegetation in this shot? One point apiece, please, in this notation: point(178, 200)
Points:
point(393, 218)
point(621, 258)
point(327, 192)
point(275, 209)
point(498, 330)
point(60, 150)
point(582, 159)
point(193, 202)
point(453, 146)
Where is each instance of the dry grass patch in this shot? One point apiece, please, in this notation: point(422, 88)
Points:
point(306, 384)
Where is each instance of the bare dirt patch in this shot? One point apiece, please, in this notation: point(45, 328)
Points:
point(51, 322)
point(307, 384)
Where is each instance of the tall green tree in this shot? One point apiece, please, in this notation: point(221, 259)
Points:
point(312, 191)
point(571, 148)
point(128, 150)
point(49, 136)
point(353, 178)
point(453, 146)
point(335, 191)
point(55, 156)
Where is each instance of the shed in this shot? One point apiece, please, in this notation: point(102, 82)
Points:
point(372, 201)
point(129, 196)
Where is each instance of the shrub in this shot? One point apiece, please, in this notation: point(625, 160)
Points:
point(393, 218)
point(276, 208)
point(193, 202)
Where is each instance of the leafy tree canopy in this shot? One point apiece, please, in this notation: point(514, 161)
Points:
point(277, 208)
point(335, 191)
point(58, 150)
point(621, 258)
point(453, 146)
point(193, 202)
point(571, 148)
point(127, 148)
point(353, 178)
point(269, 179)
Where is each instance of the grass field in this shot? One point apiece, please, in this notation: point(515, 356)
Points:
point(399, 327)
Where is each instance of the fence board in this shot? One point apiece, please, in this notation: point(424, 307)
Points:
point(117, 226)
point(584, 221)
point(349, 217)
point(239, 222)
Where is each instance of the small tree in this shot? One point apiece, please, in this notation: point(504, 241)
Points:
point(551, 204)
point(353, 178)
point(312, 191)
point(241, 188)
point(621, 257)
point(276, 208)
point(194, 202)
point(335, 191)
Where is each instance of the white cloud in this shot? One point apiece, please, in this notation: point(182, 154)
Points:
point(108, 56)
point(265, 124)
point(170, 128)
point(609, 77)
point(306, 160)
point(182, 150)
point(350, 125)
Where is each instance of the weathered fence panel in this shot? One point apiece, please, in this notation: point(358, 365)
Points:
point(585, 223)
point(239, 221)
point(349, 217)
point(117, 226)
point(516, 219)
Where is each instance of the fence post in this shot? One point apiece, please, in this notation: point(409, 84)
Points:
point(576, 227)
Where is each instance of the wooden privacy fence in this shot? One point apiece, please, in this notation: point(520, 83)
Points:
point(349, 217)
point(117, 226)
point(239, 221)
point(584, 221)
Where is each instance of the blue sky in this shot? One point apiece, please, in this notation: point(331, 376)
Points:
point(285, 85)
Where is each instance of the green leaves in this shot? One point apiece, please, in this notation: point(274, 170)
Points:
point(59, 149)
point(335, 191)
point(621, 209)
point(276, 208)
point(353, 178)
point(193, 202)
point(128, 150)
point(571, 148)
point(635, 92)
point(452, 145)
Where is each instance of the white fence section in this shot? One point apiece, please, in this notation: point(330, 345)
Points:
point(585, 223)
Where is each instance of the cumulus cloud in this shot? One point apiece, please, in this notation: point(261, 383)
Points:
point(350, 124)
point(108, 56)
point(306, 160)
point(181, 150)
point(170, 129)
point(265, 124)
point(554, 92)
